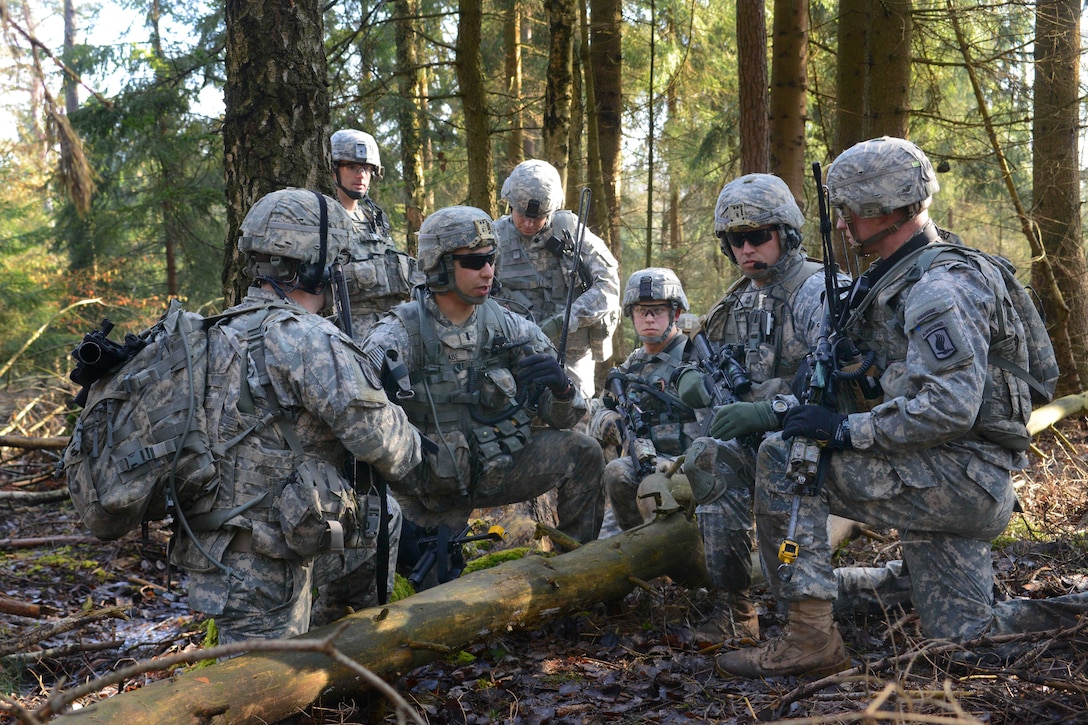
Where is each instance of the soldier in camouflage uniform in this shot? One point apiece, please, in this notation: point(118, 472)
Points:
point(534, 270)
point(281, 500)
point(378, 275)
point(477, 372)
point(663, 426)
point(769, 319)
point(932, 457)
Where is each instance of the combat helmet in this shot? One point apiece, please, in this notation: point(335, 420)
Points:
point(655, 284)
point(292, 235)
point(533, 189)
point(446, 230)
point(876, 177)
point(356, 147)
point(758, 200)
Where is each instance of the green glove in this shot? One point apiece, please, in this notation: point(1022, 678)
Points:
point(692, 391)
point(738, 419)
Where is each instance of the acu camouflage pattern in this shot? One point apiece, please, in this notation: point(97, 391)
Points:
point(664, 287)
point(920, 463)
point(776, 325)
point(357, 147)
point(470, 381)
point(286, 223)
point(671, 426)
point(533, 188)
point(876, 177)
point(316, 373)
point(378, 275)
point(534, 284)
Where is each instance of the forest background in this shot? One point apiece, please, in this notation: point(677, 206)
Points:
point(112, 201)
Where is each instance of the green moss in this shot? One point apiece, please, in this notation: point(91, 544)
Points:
point(489, 560)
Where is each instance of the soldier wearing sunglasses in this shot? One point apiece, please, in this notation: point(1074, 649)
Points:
point(472, 365)
point(770, 318)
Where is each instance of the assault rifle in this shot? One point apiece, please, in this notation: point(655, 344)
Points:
point(98, 356)
point(583, 214)
point(636, 442)
point(725, 378)
point(807, 461)
point(442, 543)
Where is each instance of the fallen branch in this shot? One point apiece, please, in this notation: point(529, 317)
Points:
point(35, 443)
point(63, 650)
point(33, 543)
point(20, 608)
point(35, 497)
point(1047, 415)
point(38, 634)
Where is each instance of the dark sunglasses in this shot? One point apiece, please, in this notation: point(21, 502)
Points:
point(755, 237)
point(475, 261)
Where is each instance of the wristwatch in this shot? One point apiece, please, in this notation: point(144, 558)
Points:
point(779, 406)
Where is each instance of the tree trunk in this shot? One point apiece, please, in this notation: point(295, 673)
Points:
point(576, 152)
point(594, 174)
point(606, 54)
point(511, 31)
point(889, 75)
point(470, 78)
point(755, 140)
point(850, 75)
point(789, 94)
point(276, 113)
point(411, 117)
point(392, 640)
point(1056, 186)
point(562, 15)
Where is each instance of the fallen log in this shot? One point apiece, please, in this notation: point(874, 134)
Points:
point(1047, 415)
point(394, 639)
point(34, 443)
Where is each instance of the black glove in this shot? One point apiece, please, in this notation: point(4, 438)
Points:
point(818, 423)
point(543, 369)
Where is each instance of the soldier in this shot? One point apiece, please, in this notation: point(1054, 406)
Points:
point(660, 426)
point(477, 372)
point(534, 269)
point(378, 275)
point(931, 457)
point(291, 386)
point(768, 319)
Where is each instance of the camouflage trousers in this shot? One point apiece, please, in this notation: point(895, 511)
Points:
point(725, 513)
point(581, 369)
point(945, 529)
point(567, 461)
point(266, 598)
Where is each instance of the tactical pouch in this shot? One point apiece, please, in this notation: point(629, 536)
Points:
point(317, 510)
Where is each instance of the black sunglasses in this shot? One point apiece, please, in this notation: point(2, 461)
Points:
point(476, 261)
point(755, 237)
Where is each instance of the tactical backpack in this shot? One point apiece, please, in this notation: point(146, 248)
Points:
point(1042, 372)
point(141, 443)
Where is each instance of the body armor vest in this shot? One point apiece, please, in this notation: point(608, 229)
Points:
point(648, 389)
point(759, 322)
point(378, 275)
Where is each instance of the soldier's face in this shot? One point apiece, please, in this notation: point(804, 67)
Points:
point(356, 176)
point(529, 226)
point(651, 320)
point(474, 270)
point(756, 250)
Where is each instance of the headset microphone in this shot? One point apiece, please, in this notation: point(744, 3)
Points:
point(759, 265)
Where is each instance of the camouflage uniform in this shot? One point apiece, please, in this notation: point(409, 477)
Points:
point(923, 459)
point(316, 372)
point(661, 424)
point(535, 281)
point(378, 275)
point(669, 424)
point(773, 328)
point(281, 499)
point(466, 397)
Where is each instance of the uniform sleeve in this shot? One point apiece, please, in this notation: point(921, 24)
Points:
point(946, 320)
point(603, 294)
point(388, 334)
point(326, 379)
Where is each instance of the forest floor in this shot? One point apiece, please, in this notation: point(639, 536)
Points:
point(104, 606)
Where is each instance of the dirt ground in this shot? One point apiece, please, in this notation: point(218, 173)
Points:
point(102, 606)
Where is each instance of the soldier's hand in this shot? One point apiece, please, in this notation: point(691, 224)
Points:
point(739, 419)
point(692, 391)
point(818, 423)
point(543, 369)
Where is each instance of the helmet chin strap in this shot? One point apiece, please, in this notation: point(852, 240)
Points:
point(351, 193)
point(467, 299)
point(908, 213)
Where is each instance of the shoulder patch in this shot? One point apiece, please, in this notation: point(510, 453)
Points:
point(939, 340)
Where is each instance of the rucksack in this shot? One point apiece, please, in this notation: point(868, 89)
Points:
point(1042, 371)
point(141, 443)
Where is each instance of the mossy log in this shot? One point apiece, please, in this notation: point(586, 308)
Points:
point(394, 639)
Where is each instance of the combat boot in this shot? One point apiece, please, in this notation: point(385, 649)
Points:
point(734, 615)
point(810, 646)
